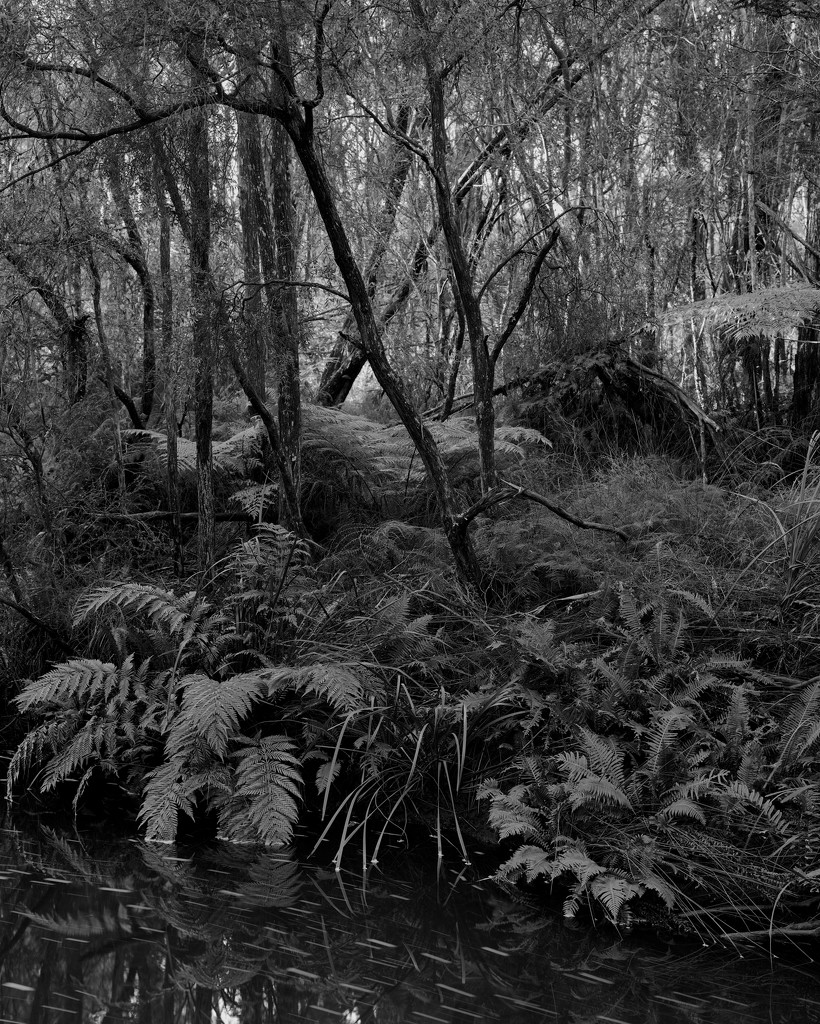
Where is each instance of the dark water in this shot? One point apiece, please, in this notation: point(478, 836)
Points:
point(100, 931)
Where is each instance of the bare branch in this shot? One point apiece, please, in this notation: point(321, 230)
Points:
point(318, 57)
point(505, 491)
point(35, 620)
point(526, 295)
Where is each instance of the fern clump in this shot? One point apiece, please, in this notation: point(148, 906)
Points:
point(655, 767)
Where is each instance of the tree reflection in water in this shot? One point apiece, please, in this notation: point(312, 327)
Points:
point(121, 931)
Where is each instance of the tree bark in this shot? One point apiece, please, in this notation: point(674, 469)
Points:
point(286, 339)
point(168, 355)
point(137, 258)
point(345, 360)
point(464, 553)
point(250, 167)
point(483, 407)
point(203, 338)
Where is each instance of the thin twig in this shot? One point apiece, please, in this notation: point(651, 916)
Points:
point(37, 621)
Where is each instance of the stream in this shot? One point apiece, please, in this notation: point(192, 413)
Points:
point(103, 930)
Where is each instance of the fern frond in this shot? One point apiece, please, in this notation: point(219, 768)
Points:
point(211, 711)
point(613, 892)
point(531, 861)
point(695, 601)
point(50, 735)
point(801, 727)
point(521, 436)
point(664, 730)
point(269, 779)
point(81, 679)
point(572, 857)
point(73, 757)
point(162, 608)
point(509, 815)
point(653, 883)
point(164, 797)
point(234, 455)
point(256, 499)
point(736, 791)
point(606, 759)
point(338, 684)
point(597, 791)
point(682, 807)
point(767, 312)
point(633, 620)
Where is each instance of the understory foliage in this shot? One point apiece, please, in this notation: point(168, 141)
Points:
point(667, 781)
point(624, 721)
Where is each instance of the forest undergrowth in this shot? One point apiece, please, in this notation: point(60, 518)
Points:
point(632, 726)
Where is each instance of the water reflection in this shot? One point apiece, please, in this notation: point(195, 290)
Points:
point(119, 931)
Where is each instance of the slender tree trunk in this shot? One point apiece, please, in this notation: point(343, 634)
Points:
point(96, 298)
point(249, 184)
point(807, 358)
point(273, 222)
point(171, 370)
point(286, 340)
point(203, 336)
point(138, 260)
point(484, 407)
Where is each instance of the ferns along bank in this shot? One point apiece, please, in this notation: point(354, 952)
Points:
point(628, 716)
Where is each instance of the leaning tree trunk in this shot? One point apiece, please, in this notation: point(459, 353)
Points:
point(461, 545)
point(345, 360)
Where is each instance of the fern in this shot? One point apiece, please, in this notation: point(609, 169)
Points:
point(613, 892)
point(187, 618)
point(80, 679)
point(256, 500)
point(532, 862)
point(340, 685)
point(163, 608)
point(663, 732)
point(768, 312)
point(510, 816)
point(800, 729)
point(736, 792)
point(164, 797)
point(87, 742)
point(268, 780)
point(211, 711)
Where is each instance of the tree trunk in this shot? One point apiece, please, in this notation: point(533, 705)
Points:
point(256, 331)
point(137, 258)
point(276, 250)
point(482, 366)
point(461, 544)
point(286, 338)
point(168, 353)
point(345, 360)
point(806, 396)
point(203, 339)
